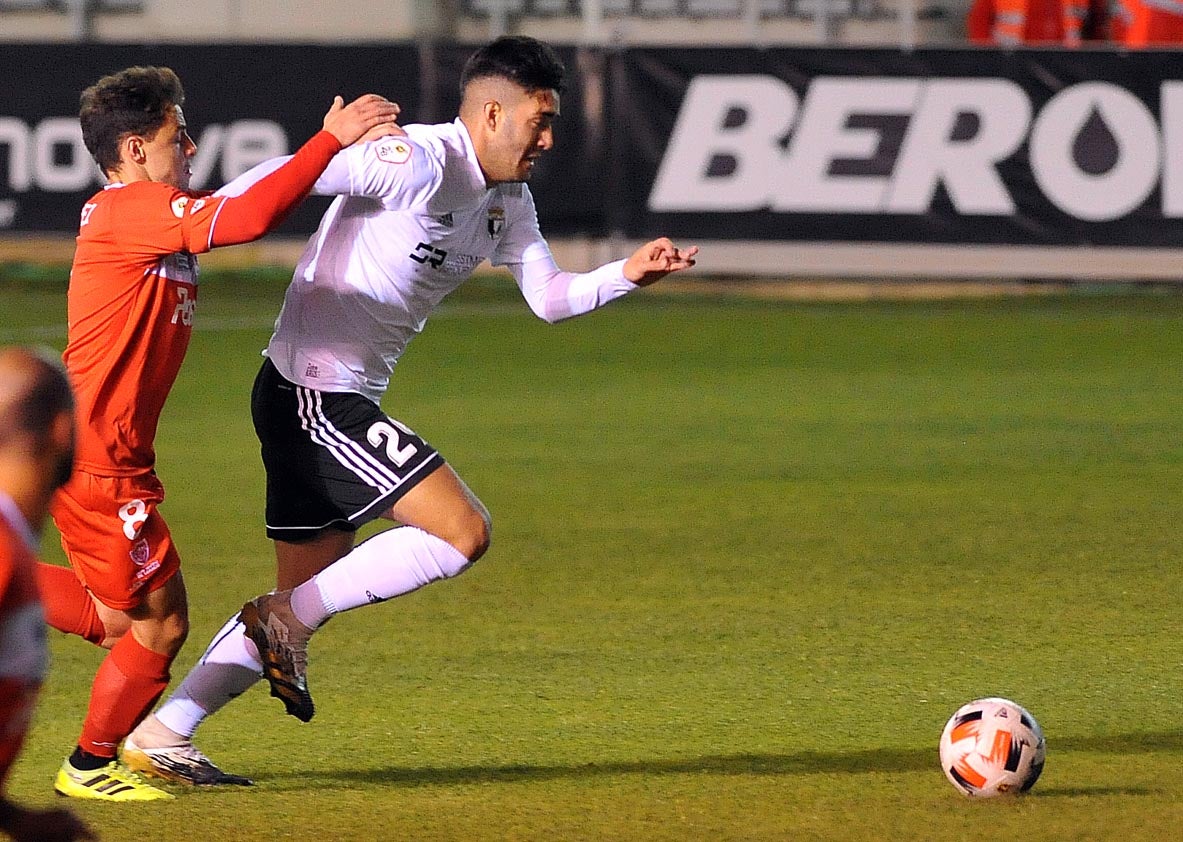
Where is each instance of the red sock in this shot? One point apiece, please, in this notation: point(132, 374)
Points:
point(68, 607)
point(129, 681)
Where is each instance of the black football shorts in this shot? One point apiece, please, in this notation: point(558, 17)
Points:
point(333, 459)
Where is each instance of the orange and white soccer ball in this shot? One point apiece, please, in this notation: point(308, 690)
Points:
point(992, 747)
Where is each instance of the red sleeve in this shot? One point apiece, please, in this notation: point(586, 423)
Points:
point(143, 220)
point(267, 203)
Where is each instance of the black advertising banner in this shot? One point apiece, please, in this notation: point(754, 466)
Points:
point(970, 145)
point(931, 146)
point(245, 104)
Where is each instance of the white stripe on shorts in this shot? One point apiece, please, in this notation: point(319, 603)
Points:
point(309, 425)
point(346, 451)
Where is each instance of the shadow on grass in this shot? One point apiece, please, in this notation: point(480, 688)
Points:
point(1090, 791)
point(798, 763)
point(1170, 742)
point(804, 763)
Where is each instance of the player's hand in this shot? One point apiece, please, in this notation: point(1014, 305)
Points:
point(654, 260)
point(349, 123)
point(380, 131)
point(27, 825)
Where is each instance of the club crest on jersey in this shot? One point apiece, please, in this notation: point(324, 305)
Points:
point(496, 222)
point(393, 151)
point(140, 552)
point(178, 206)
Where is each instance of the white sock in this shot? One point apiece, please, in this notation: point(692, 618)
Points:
point(308, 604)
point(229, 667)
point(389, 564)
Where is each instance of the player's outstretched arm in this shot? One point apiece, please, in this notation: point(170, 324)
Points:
point(257, 173)
point(656, 259)
point(555, 295)
point(267, 202)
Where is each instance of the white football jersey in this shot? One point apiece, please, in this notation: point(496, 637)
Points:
point(412, 219)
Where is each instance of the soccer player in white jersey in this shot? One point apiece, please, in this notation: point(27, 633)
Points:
point(414, 216)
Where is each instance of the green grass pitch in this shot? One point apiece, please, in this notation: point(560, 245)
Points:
point(747, 559)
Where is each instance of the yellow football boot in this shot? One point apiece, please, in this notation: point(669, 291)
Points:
point(113, 782)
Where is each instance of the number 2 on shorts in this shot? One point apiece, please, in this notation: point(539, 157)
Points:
point(380, 430)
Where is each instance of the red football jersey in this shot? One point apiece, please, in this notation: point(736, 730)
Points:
point(23, 649)
point(133, 291)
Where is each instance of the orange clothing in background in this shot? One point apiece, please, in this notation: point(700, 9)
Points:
point(1147, 23)
point(1013, 22)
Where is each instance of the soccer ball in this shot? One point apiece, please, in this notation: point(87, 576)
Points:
point(992, 747)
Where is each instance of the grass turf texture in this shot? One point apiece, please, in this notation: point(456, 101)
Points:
point(748, 558)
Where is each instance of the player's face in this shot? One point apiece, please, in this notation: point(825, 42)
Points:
point(528, 131)
point(169, 150)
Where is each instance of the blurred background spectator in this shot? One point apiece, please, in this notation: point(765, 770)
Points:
point(1147, 23)
point(1008, 23)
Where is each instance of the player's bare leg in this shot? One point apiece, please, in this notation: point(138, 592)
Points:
point(115, 623)
point(445, 529)
point(162, 621)
point(276, 630)
point(297, 562)
point(443, 505)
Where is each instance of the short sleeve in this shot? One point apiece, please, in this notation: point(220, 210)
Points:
point(152, 218)
point(400, 173)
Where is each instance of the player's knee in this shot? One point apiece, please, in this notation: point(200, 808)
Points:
point(469, 532)
point(175, 631)
point(165, 634)
point(108, 625)
point(475, 534)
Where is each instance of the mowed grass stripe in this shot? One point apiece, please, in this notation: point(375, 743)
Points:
point(747, 559)
point(57, 331)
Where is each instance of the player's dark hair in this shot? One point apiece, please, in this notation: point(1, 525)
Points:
point(44, 392)
point(526, 61)
point(133, 101)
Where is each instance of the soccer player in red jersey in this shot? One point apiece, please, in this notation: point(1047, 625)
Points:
point(130, 307)
point(36, 452)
